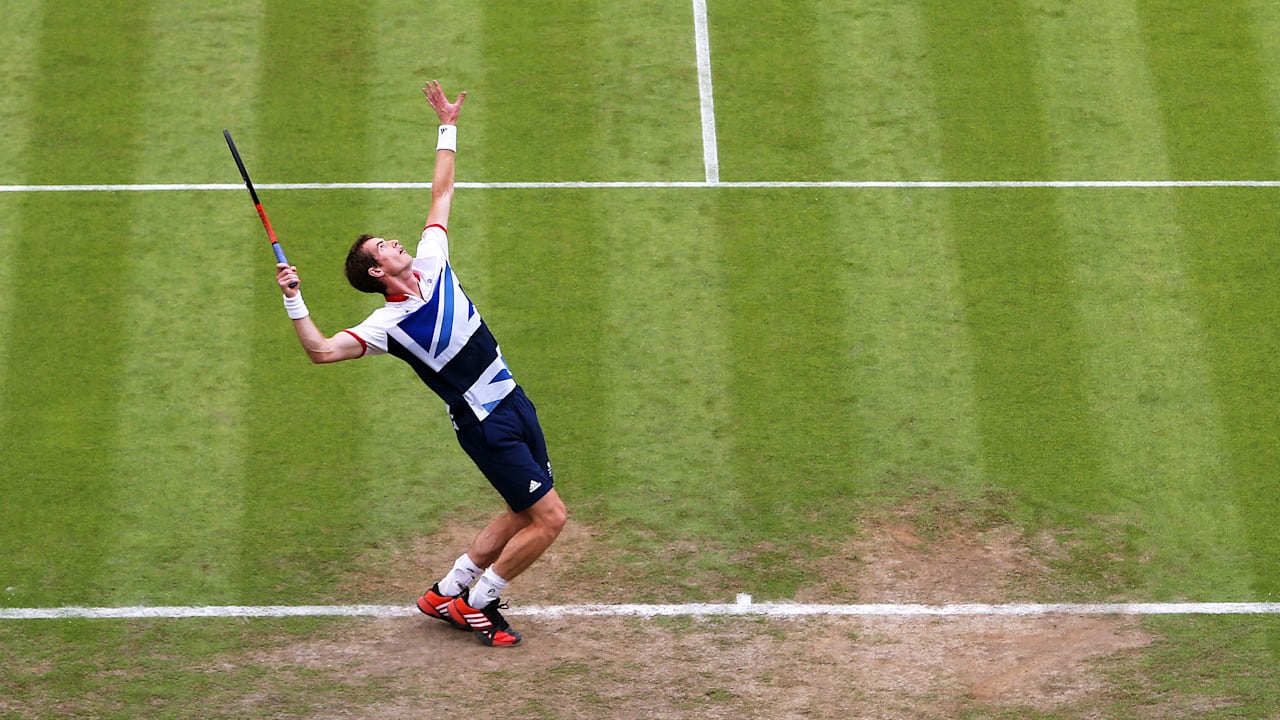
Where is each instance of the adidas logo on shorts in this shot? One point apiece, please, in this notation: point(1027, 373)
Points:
point(534, 485)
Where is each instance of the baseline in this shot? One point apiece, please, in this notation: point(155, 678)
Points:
point(743, 606)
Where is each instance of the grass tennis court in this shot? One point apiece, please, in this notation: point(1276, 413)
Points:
point(817, 392)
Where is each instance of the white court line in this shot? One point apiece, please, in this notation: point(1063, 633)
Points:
point(856, 184)
point(702, 41)
point(743, 606)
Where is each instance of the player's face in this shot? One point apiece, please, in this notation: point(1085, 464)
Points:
point(390, 255)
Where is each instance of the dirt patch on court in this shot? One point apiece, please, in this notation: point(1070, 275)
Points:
point(631, 668)
point(733, 667)
point(995, 564)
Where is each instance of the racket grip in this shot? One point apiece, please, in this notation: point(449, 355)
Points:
point(280, 257)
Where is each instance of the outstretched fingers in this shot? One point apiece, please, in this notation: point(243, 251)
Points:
point(447, 111)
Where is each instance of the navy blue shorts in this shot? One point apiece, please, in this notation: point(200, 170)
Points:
point(510, 450)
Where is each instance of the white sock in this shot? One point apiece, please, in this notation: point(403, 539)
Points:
point(464, 573)
point(487, 589)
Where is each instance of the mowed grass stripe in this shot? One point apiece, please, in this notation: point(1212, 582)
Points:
point(667, 356)
point(571, 81)
point(763, 104)
point(665, 342)
point(304, 484)
point(544, 252)
point(1149, 381)
point(567, 323)
point(17, 70)
point(1036, 424)
point(586, 94)
point(910, 364)
point(536, 268)
point(65, 346)
point(794, 431)
point(414, 42)
point(178, 469)
point(794, 421)
point(413, 473)
point(1215, 104)
point(419, 479)
point(1264, 18)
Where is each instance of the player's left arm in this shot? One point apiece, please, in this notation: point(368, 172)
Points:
point(446, 148)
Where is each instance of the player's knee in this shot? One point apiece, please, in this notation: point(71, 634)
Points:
point(552, 515)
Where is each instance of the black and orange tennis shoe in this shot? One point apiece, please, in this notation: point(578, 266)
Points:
point(488, 624)
point(433, 604)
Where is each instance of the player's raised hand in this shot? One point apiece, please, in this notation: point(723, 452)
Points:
point(447, 111)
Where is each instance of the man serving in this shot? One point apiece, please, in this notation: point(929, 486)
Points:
point(429, 322)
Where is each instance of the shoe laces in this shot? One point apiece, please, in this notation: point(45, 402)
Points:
point(491, 611)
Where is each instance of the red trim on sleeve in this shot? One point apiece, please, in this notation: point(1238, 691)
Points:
point(431, 225)
point(364, 346)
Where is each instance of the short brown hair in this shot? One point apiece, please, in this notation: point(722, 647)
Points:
point(359, 261)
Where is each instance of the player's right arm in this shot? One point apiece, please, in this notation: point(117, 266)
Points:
point(319, 348)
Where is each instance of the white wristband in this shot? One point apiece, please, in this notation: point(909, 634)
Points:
point(448, 138)
point(296, 308)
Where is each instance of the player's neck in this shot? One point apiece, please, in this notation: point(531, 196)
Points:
point(404, 284)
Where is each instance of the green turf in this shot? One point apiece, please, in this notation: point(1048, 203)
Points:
point(1145, 349)
point(65, 356)
point(730, 378)
point(1235, 253)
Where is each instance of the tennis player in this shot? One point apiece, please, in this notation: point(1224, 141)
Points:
point(429, 322)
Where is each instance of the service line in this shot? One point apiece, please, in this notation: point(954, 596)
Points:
point(767, 184)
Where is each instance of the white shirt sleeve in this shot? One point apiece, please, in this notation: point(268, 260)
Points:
point(434, 242)
point(372, 333)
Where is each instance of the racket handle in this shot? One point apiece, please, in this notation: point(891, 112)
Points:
point(280, 257)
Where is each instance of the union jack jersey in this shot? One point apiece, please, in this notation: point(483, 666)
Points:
point(441, 336)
